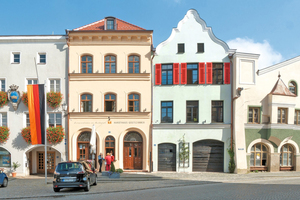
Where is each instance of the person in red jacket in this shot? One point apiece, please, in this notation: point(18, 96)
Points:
point(108, 161)
point(112, 157)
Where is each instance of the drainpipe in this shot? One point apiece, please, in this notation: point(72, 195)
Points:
point(151, 125)
point(68, 124)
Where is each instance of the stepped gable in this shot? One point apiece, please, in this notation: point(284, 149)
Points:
point(99, 26)
point(281, 89)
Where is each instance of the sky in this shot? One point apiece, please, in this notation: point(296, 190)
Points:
point(267, 27)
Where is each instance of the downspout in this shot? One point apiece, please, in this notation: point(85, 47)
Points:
point(68, 141)
point(151, 125)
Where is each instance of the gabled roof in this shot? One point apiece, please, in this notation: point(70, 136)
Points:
point(281, 89)
point(99, 26)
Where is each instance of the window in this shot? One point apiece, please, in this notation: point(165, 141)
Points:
point(42, 58)
point(110, 145)
point(180, 48)
point(16, 57)
point(5, 158)
point(282, 116)
point(134, 64)
point(293, 87)
point(200, 48)
point(167, 74)
point(86, 64)
point(32, 81)
point(110, 24)
point(133, 103)
point(110, 64)
point(217, 73)
point(297, 117)
point(192, 73)
point(192, 111)
point(167, 111)
point(27, 120)
point(55, 119)
point(2, 84)
point(286, 155)
point(55, 85)
point(254, 114)
point(110, 103)
point(3, 119)
point(86, 103)
point(258, 155)
point(217, 111)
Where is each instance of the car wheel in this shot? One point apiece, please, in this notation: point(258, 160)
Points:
point(95, 183)
point(5, 182)
point(87, 188)
point(56, 189)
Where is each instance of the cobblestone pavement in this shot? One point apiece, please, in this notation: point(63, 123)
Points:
point(35, 186)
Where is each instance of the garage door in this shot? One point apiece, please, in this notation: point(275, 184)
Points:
point(166, 157)
point(208, 156)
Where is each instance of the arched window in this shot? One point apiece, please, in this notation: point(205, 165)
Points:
point(133, 137)
point(293, 87)
point(110, 64)
point(86, 103)
point(86, 64)
point(5, 156)
point(286, 155)
point(134, 64)
point(110, 145)
point(258, 156)
point(133, 103)
point(110, 103)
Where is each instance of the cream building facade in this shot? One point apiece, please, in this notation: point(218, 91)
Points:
point(110, 87)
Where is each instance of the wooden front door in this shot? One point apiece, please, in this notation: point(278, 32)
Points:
point(41, 162)
point(133, 155)
point(167, 157)
point(83, 151)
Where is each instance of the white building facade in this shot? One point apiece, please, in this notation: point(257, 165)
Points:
point(32, 60)
point(192, 99)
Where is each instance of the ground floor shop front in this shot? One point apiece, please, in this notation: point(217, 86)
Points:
point(206, 146)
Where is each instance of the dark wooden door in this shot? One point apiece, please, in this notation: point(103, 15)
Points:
point(208, 156)
point(41, 162)
point(83, 151)
point(167, 157)
point(133, 155)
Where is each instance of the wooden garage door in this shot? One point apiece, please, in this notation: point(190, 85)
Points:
point(166, 157)
point(208, 156)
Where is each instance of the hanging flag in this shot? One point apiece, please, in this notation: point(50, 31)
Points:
point(36, 107)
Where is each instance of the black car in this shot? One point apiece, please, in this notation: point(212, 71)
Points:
point(74, 175)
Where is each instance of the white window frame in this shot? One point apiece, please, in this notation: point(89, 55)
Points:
point(38, 61)
point(12, 60)
point(1, 118)
point(3, 79)
point(26, 82)
point(48, 118)
point(49, 84)
point(25, 119)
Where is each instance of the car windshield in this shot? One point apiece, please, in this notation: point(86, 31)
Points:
point(70, 167)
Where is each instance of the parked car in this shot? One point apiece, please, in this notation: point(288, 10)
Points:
point(3, 178)
point(76, 174)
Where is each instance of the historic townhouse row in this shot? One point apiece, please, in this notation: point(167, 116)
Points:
point(145, 102)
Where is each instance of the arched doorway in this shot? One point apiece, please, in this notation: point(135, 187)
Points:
point(133, 151)
point(286, 157)
point(83, 146)
point(167, 157)
point(259, 157)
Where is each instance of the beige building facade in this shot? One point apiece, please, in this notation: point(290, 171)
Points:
point(110, 88)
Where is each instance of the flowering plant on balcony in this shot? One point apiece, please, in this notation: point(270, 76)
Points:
point(26, 134)
point(3, 98)
point(24, 98)
point(4, 134)
point(54, 99)
point(55, 134)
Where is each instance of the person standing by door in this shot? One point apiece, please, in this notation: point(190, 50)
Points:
point(100, 161)
point(108, 161)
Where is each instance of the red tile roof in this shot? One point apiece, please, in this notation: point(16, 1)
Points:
point(99, 25)
point(281, 89)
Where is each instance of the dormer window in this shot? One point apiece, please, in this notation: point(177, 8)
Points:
point(110, 23)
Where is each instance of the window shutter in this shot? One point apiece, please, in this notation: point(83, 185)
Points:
point(201, 73)
point(157, 74)
point(208, 73)
point(183, 73)
point(176, 73)
point(227, 73)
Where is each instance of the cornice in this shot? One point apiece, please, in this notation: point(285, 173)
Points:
point(111, 115)
point(109, 77)
point(193, 13)
point(272, 126)
point(279, 65)
point(246, 55)
point(33, 38)
point(191, 126)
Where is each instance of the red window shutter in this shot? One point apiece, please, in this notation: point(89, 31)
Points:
point(157, 74)
point(183, 73)
point(227, 73)
point(208, 73)
point(176, 73)
point(201, 73)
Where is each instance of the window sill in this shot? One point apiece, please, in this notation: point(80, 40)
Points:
point(15, 63)
point(41, 63)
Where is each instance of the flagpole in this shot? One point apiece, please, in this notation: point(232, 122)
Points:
point(46, 164)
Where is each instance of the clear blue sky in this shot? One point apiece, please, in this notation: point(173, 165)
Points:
point(276, 21)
